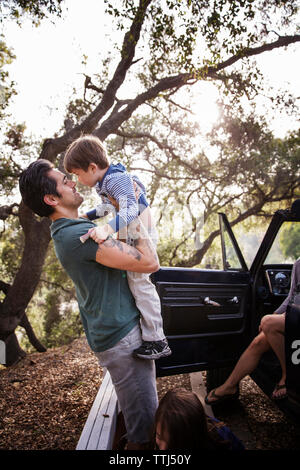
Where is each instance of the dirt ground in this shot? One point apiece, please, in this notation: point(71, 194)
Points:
point(45, 400)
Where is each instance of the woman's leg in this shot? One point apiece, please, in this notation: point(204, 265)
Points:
point(245, 365)
point(273, 326)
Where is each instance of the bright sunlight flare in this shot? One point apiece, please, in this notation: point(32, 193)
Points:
point(204, 106)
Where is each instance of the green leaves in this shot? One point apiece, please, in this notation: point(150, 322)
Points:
point(290, 240)
point(37, 10)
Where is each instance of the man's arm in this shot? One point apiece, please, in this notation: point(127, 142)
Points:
point(140, 258)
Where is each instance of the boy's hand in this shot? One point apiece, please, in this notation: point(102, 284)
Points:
point(137, 190)
point(99, 234)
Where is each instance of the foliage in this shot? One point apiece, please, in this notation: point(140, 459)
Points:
point(37, 10)
point(67, 328)
point(7, 89)
point(53, 311)
point(11, 244)
point(174, 26)
point(290, 240)
point(250, 173)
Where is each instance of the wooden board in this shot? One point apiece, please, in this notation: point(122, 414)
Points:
point(99, 429)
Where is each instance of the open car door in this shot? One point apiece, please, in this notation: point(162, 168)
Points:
point(271, 272)
point(205, 312)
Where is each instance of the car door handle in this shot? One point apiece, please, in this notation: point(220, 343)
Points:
point(208, 301)
point(234, 300)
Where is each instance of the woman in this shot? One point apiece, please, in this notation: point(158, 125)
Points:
point(271, 336)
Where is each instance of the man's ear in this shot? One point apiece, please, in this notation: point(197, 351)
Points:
point(50, 199)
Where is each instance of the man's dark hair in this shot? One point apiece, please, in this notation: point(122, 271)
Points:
point(34, 184)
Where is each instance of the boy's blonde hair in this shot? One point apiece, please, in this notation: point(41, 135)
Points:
point(83, 151)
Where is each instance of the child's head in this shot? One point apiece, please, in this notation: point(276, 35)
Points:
point(86, 157)
point(180, 421)
point(83, 152)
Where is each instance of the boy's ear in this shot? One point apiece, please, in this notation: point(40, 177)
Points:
point(50, 199)
point(93, 166)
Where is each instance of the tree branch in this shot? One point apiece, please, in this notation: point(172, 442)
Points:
point(160, 145)
point(114, 121)
point(4, 287)
point(6, 211)
point(52, 147)
point(56, 284)
point(249, 52)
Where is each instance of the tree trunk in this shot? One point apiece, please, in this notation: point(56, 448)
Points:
point(18, 295)
point(13, 351)
point(31, 335)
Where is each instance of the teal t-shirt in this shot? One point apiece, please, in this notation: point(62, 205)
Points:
point(107, 307)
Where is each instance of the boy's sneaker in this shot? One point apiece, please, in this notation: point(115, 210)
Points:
point(153, 349)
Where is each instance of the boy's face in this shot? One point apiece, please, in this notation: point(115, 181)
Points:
point(87, 178)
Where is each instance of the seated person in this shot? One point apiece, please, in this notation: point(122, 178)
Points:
point(270, 336)
point(181, 423)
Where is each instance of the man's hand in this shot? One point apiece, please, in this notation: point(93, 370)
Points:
point(99, 234)
point(114, 202)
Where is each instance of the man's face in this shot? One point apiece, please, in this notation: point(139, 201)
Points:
point(69, 197)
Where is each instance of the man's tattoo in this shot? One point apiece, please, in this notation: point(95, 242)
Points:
point(136, 242)
point(131, 250)
point(134, 252)
point(112, 242)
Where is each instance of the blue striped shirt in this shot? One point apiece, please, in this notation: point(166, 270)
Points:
point(118, 184)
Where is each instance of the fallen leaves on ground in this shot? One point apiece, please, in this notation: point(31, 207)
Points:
point(45, 400)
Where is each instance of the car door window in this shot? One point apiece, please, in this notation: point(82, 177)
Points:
point(232, 256)
point(286, 246)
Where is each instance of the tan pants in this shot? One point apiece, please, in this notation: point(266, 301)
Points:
point(144, 291)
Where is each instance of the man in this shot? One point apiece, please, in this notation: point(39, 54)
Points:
point(107, 308)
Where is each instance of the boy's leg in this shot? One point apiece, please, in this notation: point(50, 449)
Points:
point(155, 344)
point(135, 385)
point(148, 302)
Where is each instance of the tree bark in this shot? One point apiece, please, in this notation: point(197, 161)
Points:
point(14, 353)
point(25, 323)
point(18, 295)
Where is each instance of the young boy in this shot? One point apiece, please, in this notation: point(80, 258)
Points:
point(86, 158)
